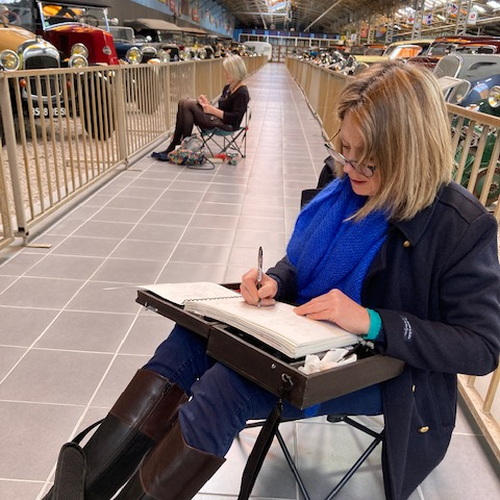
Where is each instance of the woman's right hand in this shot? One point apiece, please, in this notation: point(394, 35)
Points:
point(202, 99)
point(264, 296)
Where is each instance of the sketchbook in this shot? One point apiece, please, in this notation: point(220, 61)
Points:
point(277, 326)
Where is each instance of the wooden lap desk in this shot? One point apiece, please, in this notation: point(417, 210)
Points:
point(272, 370)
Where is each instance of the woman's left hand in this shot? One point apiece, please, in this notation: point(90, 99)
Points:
point(337, 307)
point(207, 108)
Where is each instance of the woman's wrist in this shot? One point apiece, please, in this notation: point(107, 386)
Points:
point(375, 325)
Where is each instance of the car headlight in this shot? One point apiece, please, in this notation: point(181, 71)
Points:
point(494, 96)
point(9, 60)
point(78, 61)
point(80, 49)
point(164, 55)
point(134, 55)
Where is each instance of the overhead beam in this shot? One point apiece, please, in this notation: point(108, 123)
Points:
point(324, 14)
point(271, 14)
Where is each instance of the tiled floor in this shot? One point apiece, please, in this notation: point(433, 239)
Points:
point(71, 334)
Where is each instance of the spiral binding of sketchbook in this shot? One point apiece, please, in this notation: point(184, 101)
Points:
point(277, 325)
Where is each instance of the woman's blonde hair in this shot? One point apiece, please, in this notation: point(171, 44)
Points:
point(402, 117)
point(236, 67)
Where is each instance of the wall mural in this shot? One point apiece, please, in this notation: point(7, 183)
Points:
point(208, 14)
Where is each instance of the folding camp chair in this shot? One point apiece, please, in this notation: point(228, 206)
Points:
point(226, 141)
point(249, 476)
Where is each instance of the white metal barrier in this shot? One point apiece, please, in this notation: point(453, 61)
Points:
point(66, 129)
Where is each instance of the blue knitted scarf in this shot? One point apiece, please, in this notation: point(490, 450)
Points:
point(328, 251)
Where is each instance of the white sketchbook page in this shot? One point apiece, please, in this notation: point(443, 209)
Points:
point(276, 325)
point(178, 293)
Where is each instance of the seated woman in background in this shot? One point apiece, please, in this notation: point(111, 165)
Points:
point(393, 251)
point(232, 107)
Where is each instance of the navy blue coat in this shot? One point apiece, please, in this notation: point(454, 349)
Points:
point(436, 285)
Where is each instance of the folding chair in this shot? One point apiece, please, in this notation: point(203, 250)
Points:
point(248, 482)
point(226, 140)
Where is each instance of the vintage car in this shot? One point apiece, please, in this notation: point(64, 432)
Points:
point(477, 87)
point(21, 49)
point(367, 49)
point(75, 26)
point(398, 50)
point(475, 70)
point(133, 51)
point(167, 36)
point(463, 44)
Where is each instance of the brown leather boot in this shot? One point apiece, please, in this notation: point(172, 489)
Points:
point(141, 416)
point(172, 471)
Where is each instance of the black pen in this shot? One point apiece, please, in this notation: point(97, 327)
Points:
point(260, 261)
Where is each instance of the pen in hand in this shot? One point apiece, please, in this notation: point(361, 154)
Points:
point(260, 260)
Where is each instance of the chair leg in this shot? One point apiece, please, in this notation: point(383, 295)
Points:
point(292, 465)
point(357, 465)
point(378, 437)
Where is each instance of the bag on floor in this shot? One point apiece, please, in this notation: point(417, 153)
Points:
point(189, 153)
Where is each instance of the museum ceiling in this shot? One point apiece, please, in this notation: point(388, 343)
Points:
point(341, 16)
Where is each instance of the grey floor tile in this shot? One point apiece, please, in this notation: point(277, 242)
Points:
point(146, 334)
point(65, 227)
point(208, 236)
point(117, 378)
point(166, 218)
point(19, 490)
point(40, 292)
point(218, 208)
point(128, 202)
point(182, 271)
point(128, 271)
point(214, 221)
point(464, 473)
point(21, 326)
point(86, 331)
point(36, 432)
point(9, 356)
point(6, 281)
point(107, 297)
point(144, 250)
point(68, 267)
point(201, 254)
point(61, 377)
point(175, 205)
point(181, 196)
point(88, 246)
point(97, 229)
point(262, 238)
point(18, 265)
point(118, 215)
point(154, 232)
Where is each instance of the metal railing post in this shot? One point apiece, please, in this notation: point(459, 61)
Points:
point(121, 119)
point(10, 143)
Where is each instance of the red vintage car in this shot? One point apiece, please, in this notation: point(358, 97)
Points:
point(77, 27)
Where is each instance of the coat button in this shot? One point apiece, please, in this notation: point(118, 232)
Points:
point(423, 429)
point(407, 244)
point(413, 388)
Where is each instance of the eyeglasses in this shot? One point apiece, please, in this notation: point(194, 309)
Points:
point(365, 170)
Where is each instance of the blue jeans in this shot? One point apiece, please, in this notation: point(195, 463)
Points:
point(222, 401)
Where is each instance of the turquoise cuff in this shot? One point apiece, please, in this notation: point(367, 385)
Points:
point(375, 325)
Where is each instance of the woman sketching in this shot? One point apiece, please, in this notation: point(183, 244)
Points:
point(393, 251)
point(232, 106)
